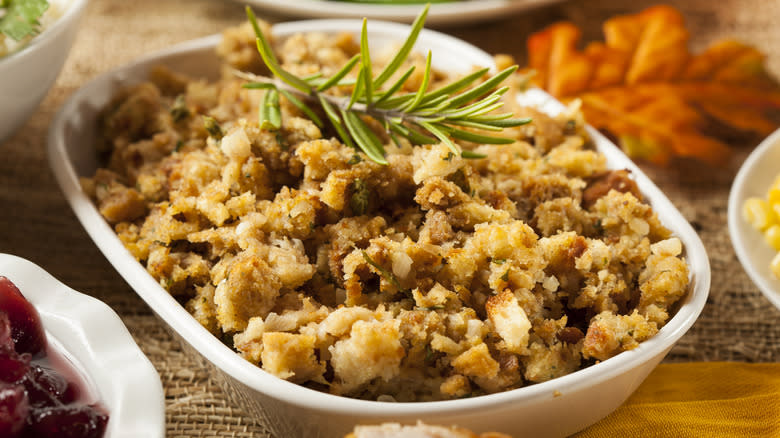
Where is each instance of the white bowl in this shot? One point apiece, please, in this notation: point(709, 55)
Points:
point(753, 179)
point(92, 337)
point(27, 74)
point(555, 408)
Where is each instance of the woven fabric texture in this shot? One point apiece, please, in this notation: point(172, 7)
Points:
point(697, 399)
point(738, 323)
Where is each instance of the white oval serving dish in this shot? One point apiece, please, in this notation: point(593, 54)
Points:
point(450, 13)
point(753, 179)
point(92, 337)
point(555, 408)
point(28, 73)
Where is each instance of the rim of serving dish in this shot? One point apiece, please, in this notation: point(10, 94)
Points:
point(91, 336)
point(253, 376)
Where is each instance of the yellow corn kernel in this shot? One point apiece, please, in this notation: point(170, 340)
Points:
point(774, 266)
point(772, 236)
point(757, 213)
point(773, 196)
point(776, 209)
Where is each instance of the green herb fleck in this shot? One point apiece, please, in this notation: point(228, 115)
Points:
point(178, 146)
point(428, 353)
point(360, 197)
point(354, 160)
point(213, 128)
point(570, 128)
point(460, 180)
point(179, 110)
point(599, 226)
point(283, 145)
point(505, 277)
point(449, 156)
point(499, 261)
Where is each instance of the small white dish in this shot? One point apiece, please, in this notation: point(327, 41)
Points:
point(753, 179)
point(27, 74)
point(92, 337)
point(456, 12)
point(555, 408)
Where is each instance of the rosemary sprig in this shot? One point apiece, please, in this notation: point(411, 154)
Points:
point(422, 117)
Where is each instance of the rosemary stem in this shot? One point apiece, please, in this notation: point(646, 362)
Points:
point(341, 103)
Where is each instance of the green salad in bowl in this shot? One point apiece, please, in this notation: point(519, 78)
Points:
point(22, 20)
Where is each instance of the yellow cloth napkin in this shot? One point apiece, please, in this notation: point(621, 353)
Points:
point(700, 399)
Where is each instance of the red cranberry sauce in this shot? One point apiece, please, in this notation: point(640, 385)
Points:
point(36, 400)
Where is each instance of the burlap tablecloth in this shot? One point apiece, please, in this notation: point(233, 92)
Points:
point(738, 323)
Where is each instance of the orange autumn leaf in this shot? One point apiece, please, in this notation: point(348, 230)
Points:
point(645, 88)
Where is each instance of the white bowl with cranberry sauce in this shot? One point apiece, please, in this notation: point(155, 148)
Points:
point(89, 345)
point(558, 407)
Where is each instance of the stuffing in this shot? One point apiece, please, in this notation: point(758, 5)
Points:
point(290, 356)
point(545, 362)
point(509, 320)
point(609, 334)
point(476, 362)
point(249, 289)
point(394, 430)
point(372, 350)
point(433, 277)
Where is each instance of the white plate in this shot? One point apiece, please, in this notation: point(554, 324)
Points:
point(292, 410)
point(753, 179)
point(467, 11)
point(92, 337)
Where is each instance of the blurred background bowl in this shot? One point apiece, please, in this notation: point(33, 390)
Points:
point(753, 180)
point(27, 74)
